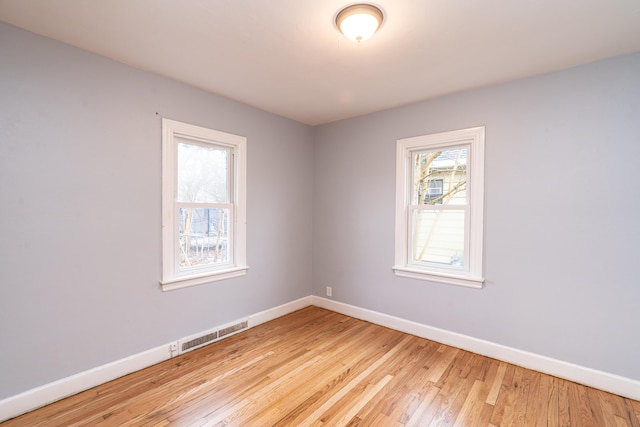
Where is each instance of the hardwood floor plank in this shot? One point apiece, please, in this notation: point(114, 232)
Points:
point(452, 392)
point(506, 398)
point(400, 398)
point(424, 408)
point(342, 392)
point(621, 422)
point(283, 399)
point(538, 402)
point(239, 409)
point(442, 364)
point(299, 343)
point(633, 410)
point(183, 391)
point(552, 406)
point(564, 419)
point(595, 408)
point(349, 372)
point(523, 380)
point(355, 406)
point(492, 397)
point(474, 403)
point(382, 420)
point(315, 367)
point(576, 406)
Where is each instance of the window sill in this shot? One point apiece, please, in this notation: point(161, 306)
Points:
point(446, 278)
point(200, 279)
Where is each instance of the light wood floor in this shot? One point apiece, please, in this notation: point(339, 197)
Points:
point(318, 368)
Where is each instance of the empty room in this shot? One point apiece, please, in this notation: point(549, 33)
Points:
point(305, 213)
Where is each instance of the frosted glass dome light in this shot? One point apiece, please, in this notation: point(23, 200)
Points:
point(359, 21)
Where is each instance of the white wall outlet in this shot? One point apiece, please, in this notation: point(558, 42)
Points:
point(173, 348)
point(329, 291)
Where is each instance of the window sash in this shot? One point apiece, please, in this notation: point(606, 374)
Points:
point(411, 232)
point(180, 271)
point(412, 170)
point(229, 179)
point(191, 270)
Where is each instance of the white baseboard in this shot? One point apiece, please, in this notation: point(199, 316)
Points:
point(612, 383)
point(48, 393)
point(274, 313)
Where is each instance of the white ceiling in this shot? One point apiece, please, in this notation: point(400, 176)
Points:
point(287, 57)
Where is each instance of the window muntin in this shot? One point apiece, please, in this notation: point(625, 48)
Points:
point(438, 210)
point(204, 225)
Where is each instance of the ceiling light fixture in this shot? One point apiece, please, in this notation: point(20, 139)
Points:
point(358, 22)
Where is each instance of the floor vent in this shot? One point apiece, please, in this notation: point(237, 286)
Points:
point(233, 328)
point(197, 342)
point(194, 342)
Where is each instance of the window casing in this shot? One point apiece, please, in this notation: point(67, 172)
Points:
point(203, 205)
point(439, 207)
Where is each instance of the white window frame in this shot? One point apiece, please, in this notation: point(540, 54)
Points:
point(472, 274)
point(172, 278)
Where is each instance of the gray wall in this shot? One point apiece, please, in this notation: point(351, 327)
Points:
point(80, 195)
point(562, 215)
point(80, 191)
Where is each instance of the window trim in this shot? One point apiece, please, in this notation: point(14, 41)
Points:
point(473, 275)
point(171, 131)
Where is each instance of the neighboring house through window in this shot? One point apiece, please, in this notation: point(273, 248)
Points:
point(203, 205)
point(432, 189)
point(439, 207)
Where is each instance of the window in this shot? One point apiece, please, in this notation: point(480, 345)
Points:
point(203, 205)
point(439, 207)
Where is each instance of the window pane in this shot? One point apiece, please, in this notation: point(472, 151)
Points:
point(204, 237)
point(440, 177)
point(203, 173)
point(438, 236)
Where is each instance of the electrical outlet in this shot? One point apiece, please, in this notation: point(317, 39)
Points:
point(329, 291)
point(173, 348)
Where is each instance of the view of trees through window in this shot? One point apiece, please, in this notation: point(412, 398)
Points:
point(438, 206)
point(204, 205)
